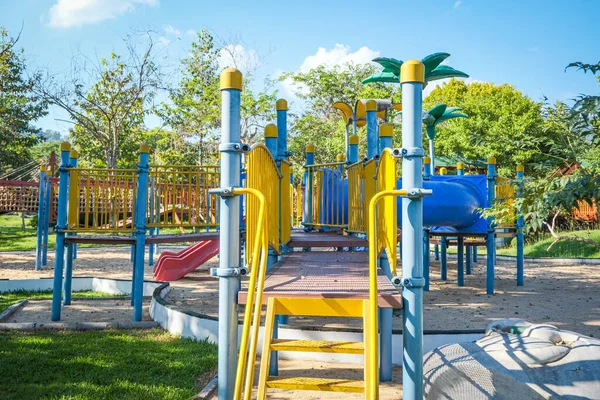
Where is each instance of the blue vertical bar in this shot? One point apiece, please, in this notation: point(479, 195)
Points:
point(520, 224)
point(385, 326)
point(461, 261)
point(40, 221)
point(353, 152)
point(308, 197)
point(152, 220)
point(229, 244)
point(140, 232)
point(444, 259)
point(372, 142)
point(426, 258)
point(386, 132)
point(468, 261)
point(61, 225)
point(412, 78)
point(490, 242)
point(47, 213)
point(282, 151)
point(70, 246)
point(474, 254)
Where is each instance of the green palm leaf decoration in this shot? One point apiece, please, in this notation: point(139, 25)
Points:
point(432, 118)
point(433, 69)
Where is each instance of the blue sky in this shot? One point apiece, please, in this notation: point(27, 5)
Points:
point(523, 43)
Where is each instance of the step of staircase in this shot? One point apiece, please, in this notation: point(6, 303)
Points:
point(319, 384)
point(317, 346)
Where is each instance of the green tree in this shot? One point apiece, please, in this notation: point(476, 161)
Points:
point(319, 88)
point(19, 106)
point(109, 107)
point(502, 122)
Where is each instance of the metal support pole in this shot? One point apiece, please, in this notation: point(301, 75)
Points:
point(461, 261)
point(141, 208)
point(308, 180)
point(61, 225)
point(47, 213)
point(426, 168)
point(70, 246)
point(385, 326)
point(371, 129)
point(152, 218)
point(432, 153)
point(444, 259)
point(460, 168)
point(41, 218)
point(271, 139)
point(229, 245)
point(282, 108)
point(490, 242)
point(468, 260)
point(386, 132)
point(412, 78)
point(426, 258)
point(520, 224)
point(353, 152)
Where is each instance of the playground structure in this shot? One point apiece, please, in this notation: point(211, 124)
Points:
point(348, 205)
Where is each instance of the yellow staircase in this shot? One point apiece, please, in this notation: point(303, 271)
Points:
point(316, 307)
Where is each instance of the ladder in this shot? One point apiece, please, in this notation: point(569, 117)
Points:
point(319, 307)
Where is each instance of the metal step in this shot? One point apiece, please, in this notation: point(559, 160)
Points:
point(320, 384)
point(317, 346)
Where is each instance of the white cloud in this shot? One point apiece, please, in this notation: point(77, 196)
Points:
point(75, 13)
point(237, 56)
point(170, 30)
point(339, 55)
point(457, 4)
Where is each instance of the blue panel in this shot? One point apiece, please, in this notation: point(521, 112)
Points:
point(455, 203)
point(336, 192)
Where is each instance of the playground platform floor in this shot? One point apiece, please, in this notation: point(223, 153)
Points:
point(565, 295)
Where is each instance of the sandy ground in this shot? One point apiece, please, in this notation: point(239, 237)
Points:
point(563, 295)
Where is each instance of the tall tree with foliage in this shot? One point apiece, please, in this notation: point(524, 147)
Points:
point(319, 88)
point(108, 102)
point(502, 122)
point(19, 106)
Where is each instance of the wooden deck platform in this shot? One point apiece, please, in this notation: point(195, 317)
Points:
point(327, 239)
point(326, 274)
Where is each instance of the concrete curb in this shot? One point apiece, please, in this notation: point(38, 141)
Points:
point(208, 390)
point(76, 326)
point(12, 309)
point(540, 260)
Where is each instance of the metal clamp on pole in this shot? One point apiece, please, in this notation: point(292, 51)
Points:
point(408, 152)
point(408, 282)
point(224, 272)
point(414, 193)
point(223, 192)
point(234, 148)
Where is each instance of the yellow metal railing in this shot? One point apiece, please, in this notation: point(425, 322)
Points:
point(286, 202)
point(356, 198)
point(179, 196)
point(101, 200)
point(505, 192)
point(298, 206)
point(263, 176)
point(370, 186)
point(257, 265)
point(328, 205)
point(387, 209)
point(371, 342)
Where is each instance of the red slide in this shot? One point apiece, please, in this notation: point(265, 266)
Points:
point(173, 266)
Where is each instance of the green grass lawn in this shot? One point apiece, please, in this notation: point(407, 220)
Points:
point(9, 298)
point(137, 364)
point(562, 249)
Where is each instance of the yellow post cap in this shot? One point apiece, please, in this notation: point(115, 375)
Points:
point(426, 160)
point(520, 168)
point(371, 105)
point(491, 160)
point(353, 139)
point(310, 148)
point(231, 78)
point(339, 158)
point(65, 146)
point(281, 105)
point(443, 171)
point(460, 165)
point(42, 168)
point(74, 154)
point(144, 148)
point(270, 131)
point(386, 130)
point(412, 71)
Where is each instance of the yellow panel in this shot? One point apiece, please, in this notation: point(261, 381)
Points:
point(387, 221)
point(73, 217)
point(325, 307)
point(318, 384)
point(317, 346)
point(361, 113)
point(286, 209)
point(356, 198)
point(345, 109)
